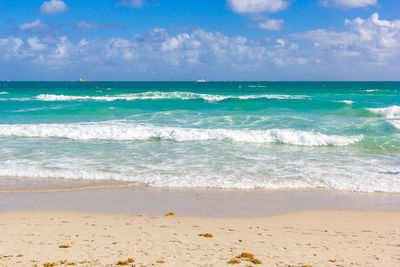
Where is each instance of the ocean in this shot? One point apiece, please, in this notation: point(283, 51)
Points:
point(243, 135)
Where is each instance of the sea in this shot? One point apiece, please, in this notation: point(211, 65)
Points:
point(240, 135)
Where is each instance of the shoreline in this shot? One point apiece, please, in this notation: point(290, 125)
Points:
point(81, 184)
point(201, 202)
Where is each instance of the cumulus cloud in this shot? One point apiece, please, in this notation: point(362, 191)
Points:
point(36, 44)
point(346, 4)
point(53, 7)
point(369, 40)
point(271, 24)
point(257, 6)
point(258, 10)
point(33, 26)
point(154, 50)
point(132, 3)
point(11, 47)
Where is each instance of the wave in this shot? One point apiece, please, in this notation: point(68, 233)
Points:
point(200, 180)
point(162, 95)
point(130, 132)
point(348, 102)
point(395, 123)
point(348, 177)
point(3, 93)
point(391, 112)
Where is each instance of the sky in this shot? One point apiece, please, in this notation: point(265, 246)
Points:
point(180, 40)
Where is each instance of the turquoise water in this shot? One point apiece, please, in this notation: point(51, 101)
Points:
point(338, 135)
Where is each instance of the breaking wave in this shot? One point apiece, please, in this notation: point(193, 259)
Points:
point(391, 112)
point(129, 132)
point(395, 123)
point(348, 102)
point(162, 95)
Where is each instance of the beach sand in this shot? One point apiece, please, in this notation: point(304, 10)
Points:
point(104, 227)
point(315, 238)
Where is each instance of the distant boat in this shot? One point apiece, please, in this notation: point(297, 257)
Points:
point(84, 80)
point(201, 81)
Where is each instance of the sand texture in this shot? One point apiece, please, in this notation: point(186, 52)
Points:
point(308, 238)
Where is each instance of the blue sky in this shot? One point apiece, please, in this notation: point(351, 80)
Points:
point(211, 39)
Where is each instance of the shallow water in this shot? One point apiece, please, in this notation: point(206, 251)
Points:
point(338, 135)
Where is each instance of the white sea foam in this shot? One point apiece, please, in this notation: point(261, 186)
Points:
point(162, 95)
point(388, 112)
point(270, 96)
point(37, 172)
point(3, 93)
point(348, 102)
point(126, 131)
point(395, 123)
point(349, 177)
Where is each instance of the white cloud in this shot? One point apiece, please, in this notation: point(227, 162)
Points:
point(35, 44)
point(257, 6)
point(63, 47)
point(371, 40)
point(280, 43)
point(346, 4)
point(11, 47)
point(33, 26)
point(183, 50)
point(371, 44)
point(53, 7)
point(132, 3)
point(258, 10)
point(271, 24)
point(86, 25)
point(83, 42)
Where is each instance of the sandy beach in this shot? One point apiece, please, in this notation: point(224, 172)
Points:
point(127, 226)
point(308, 238)
point(200, 133)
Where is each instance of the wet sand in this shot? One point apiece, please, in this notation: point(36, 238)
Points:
point(194, 202)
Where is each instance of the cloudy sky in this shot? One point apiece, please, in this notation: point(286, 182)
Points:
point(189, 40)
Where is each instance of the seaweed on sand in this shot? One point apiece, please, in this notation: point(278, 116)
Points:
point(234, 261)
point(206, 235)
point(249, 257)
point(129, 260)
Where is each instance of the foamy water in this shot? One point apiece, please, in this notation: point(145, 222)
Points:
point(341, 136)
point(388, 112)
point(395, 123)
point(130, 132)
point(162, 95)
point(349, 102)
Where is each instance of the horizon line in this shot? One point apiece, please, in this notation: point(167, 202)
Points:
point(194, 81)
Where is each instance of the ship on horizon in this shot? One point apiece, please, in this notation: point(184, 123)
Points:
point(84, 80)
